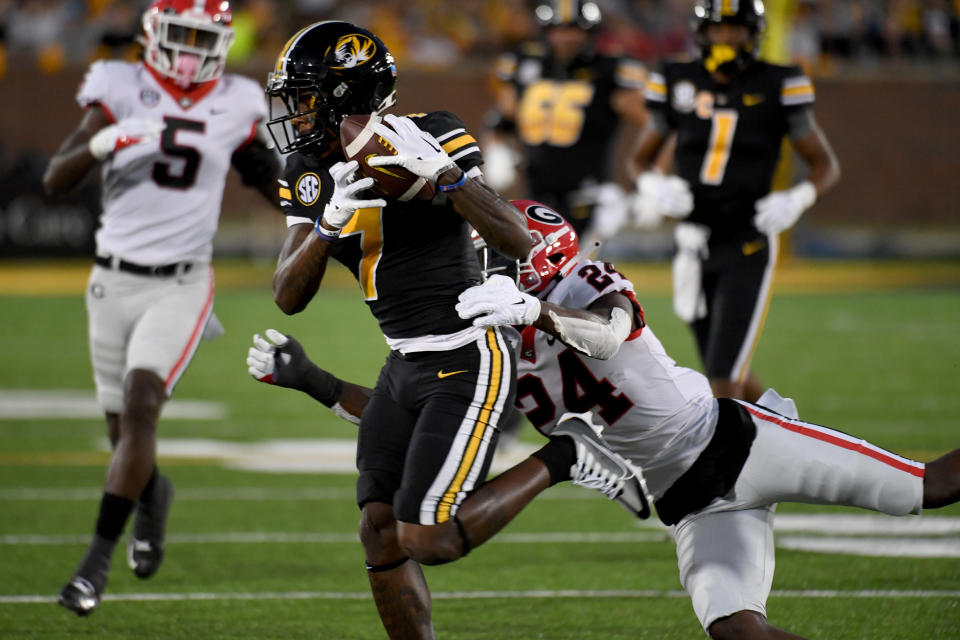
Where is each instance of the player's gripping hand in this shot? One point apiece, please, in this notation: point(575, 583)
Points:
point(780, 210)
point(346, 199)
point(277, 359)
point(417, 151)
point(498, 302)
point(124, 133)
point(660, 196)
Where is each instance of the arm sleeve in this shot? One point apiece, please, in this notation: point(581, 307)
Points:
point(799, 122)
point(796, 89)
point(656, 94)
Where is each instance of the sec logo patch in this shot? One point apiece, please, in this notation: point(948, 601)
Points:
point(308, 189)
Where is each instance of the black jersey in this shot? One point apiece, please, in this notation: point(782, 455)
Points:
point(564, 115)
point(411, 259)
point(728, 135)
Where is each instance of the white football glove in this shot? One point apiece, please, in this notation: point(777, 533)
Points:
point(128, 131)
point(417, 151)
point(498, 302)
point(500, 162)
point(780, 210)
point(661, 196)
point(344, 201)
point(261, 358)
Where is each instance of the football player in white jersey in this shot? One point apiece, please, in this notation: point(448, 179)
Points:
point(164, 134)
point(715, 469)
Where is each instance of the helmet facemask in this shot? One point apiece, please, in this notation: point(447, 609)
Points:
point(728, 59)
point(328, 71)
point(494, 263)
point(550, 259)
point(293, 104)
point(189, 48)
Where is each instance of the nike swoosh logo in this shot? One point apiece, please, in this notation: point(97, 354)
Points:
point(752, 99)
point(446, 374)
point(381, 169)
point(750, 248)
point(217, 112)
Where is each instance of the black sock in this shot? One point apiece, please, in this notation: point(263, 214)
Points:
point(114, 512)
point(559, 455)
point(147, 493)
point(95, 565)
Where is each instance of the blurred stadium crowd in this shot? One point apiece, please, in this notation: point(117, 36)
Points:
point(831, 36)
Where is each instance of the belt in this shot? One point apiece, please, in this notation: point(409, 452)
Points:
point(161, 271)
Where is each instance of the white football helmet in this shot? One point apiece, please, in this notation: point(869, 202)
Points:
point(187, 40)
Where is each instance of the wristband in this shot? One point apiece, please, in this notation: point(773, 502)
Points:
point(456, 185)
point(327, 234)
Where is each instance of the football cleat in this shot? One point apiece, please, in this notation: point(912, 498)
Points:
point(597, 467)
point(145, 549)
point(80, 596)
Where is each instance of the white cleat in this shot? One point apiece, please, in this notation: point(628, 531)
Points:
point(597, 467)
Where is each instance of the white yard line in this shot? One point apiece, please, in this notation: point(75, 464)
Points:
point(266, 537)
point(892, 547)
point(479, 595)
point(72, 404)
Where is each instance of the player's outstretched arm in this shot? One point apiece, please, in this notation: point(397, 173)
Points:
point(495, 219)
point(280, 360)
point(596, 332)
point(498, 221)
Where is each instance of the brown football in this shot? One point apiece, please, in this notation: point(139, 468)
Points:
point(360, 143)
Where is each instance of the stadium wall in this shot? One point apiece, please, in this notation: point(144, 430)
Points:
point(897, 139)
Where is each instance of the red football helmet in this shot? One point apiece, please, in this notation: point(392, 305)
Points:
point(187, 40)
point(555, 246)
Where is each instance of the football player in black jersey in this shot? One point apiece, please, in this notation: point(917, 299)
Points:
point(730, 113)
point(565, 105)
point(430, 428)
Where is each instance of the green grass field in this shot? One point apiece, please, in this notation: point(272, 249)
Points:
point(275, 555)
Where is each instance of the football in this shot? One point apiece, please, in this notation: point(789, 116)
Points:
point(360, 142)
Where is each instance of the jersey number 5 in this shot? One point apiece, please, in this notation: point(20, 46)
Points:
point(723, 126)
point(191, 156)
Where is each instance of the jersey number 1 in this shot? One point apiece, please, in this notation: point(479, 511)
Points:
point(723, 125)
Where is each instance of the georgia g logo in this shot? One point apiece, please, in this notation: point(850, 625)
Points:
point(308, 188)
point(352, 50)
point(545, 215)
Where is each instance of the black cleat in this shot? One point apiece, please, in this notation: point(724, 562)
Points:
point(597, 467)
point(145, 550)
point(80, 596)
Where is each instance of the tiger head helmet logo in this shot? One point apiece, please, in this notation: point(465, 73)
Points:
point(352, 50)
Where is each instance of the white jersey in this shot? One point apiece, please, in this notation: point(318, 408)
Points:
point(656, 413)
point(161, 200)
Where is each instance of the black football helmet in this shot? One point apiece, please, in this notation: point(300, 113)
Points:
point(723, 58)
point(325, 72)
point(556, 13)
